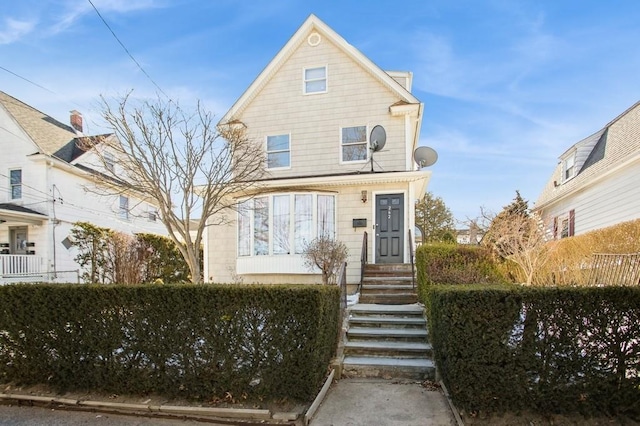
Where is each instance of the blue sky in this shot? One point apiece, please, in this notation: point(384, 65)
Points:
point(507, 85)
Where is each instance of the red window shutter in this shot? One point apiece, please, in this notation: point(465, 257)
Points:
point(555, 228)
point(572, 223)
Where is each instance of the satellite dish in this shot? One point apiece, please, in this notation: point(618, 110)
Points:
point(425, 156)
point(378, 138)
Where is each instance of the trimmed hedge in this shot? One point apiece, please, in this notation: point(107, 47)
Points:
point(551, 350)
point(190, 341)
point(456, 264)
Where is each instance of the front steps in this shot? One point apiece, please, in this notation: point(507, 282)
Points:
point(388, 284)
point(387, 341)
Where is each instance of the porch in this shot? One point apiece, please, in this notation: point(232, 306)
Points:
point(15, 268)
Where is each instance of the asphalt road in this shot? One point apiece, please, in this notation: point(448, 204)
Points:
point(14, 415)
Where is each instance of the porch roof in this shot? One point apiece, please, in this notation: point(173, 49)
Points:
point(15, 213)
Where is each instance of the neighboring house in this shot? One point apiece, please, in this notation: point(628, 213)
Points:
point(45, 175)
point(313, 108)
point(596, 183)
point(471, 236)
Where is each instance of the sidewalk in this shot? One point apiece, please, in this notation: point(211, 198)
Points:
point(379, 402)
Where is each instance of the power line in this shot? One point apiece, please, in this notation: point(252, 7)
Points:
point(27, 80)
point(127, 50)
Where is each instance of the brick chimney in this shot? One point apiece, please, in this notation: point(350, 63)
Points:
point(76, 121)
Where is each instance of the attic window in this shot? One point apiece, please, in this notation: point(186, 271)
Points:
point(315, 80)
point(109, 161)
point(569, 167)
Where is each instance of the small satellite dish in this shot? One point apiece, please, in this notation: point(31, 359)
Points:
point(378, 138)
point(425, 156)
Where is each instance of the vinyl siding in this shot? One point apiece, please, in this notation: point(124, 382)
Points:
point(314, 121)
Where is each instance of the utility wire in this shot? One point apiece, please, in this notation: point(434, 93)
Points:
point(27, 80)
point(127, 50)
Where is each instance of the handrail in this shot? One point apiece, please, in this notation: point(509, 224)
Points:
point(412, 260)
point(364, 254)
point(342, 283)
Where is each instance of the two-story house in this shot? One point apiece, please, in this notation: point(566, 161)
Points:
point(315, 109)
point(45, 177)
point(596, 182)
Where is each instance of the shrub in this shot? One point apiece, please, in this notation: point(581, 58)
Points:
point(327, 255)
point(550, 350)
point(188, 341)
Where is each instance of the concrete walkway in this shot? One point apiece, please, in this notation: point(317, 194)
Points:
point(379, 402)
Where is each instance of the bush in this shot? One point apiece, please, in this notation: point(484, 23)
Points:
point(570, 263)
point(550, 350)
point(456, 264)
point(189, 341)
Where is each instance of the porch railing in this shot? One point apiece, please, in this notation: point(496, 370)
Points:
point(364, 254)
point(412, 258)
point(18, 264)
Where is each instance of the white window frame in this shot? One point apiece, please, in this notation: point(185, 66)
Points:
point(123, 207)
point(19, 185)
point(306, 81)
point(365, 143)
point(569, 167)
point(250, 249)
point(277, 151)
point(109, 161)
point(152, 214)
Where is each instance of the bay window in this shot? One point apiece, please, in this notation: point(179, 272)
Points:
point(283, 224)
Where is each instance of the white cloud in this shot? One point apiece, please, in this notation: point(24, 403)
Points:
point(13, 30)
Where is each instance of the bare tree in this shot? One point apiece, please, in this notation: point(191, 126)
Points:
point(327, 255)
point(520, 236)
point(181, 161)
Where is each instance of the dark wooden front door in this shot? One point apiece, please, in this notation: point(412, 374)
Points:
point(390, 228)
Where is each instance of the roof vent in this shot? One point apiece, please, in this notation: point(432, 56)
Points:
point(314, 39)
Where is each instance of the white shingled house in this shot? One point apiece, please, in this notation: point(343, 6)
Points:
point(314, 108)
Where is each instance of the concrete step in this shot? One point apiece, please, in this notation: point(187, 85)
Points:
point(389, 367)
point(387, 321)
point(395, 334)
point(410, 309)
point(387, 267)
point(388, 348)
point(387, 287)
point(387, 281)
point(389, 298)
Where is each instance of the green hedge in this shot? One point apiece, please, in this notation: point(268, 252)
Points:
point(191, 341)
point(456, 264)
point(551, 350)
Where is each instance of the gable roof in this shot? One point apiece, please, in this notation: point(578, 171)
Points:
point(598, 155)
point(47, 133)
point(313, 23)
point(50, 136)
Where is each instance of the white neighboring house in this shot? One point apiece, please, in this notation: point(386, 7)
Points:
point(313, 108)
point(43, 176)
point(596, 183)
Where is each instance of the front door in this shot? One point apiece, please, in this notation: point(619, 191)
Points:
point(390, 228)
point(18, 240)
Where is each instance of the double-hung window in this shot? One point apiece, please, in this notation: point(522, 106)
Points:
point(123, 211)
point(354, 144)
point(278, 152)
point(15, 181)
point(569, 165)
point(109, 162)
point(315, 80)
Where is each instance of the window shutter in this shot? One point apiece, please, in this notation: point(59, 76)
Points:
point(555, 227)
point(572, 223)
